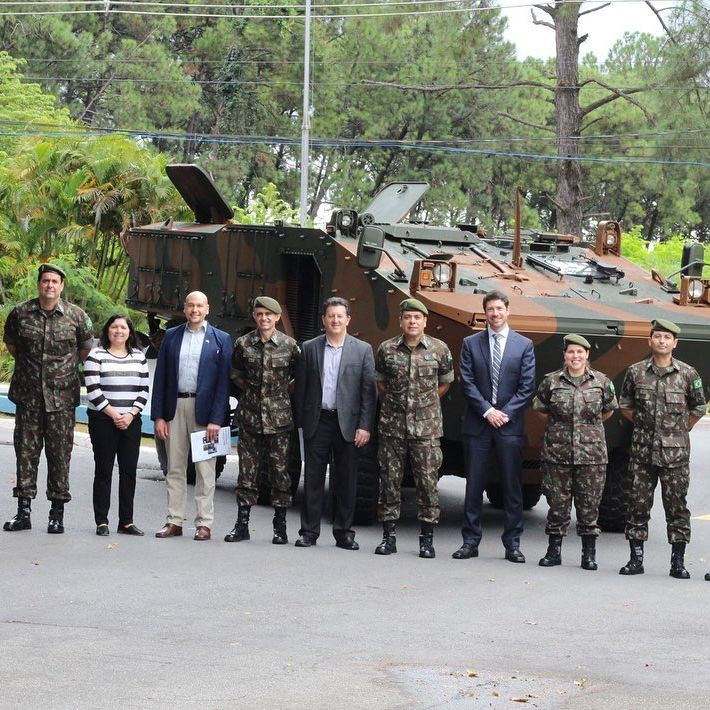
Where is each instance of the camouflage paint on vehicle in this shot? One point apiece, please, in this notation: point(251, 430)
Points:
point(561, 285)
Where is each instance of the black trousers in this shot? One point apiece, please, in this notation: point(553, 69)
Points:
point(108, 443)
point(478, 452)
point(328, 440)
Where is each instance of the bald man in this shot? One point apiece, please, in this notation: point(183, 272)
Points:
point(191, 393)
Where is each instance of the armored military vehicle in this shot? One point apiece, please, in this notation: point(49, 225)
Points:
point(557, 284)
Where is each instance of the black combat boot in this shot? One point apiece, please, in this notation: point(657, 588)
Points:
point(678, 561)
point(553, 556)
point(426, 541)
point(388, 546)
point(21, 521)
point(635, 564)
point(589, 552)
point(280, 537)
point(55, 526)
point(240, 531)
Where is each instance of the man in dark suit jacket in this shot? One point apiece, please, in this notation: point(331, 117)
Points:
point(335, 400)
point(498, 380)
point(191, 393)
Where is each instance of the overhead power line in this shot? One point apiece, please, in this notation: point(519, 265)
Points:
point(107, 8)
point(330, 143)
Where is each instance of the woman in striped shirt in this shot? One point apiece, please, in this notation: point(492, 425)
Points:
point(116, 375)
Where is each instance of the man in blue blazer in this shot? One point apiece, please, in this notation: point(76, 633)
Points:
point(191, 393)
point(498, 380)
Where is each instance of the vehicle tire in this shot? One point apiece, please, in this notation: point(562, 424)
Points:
point(617, 492)
point(192, 474)
point(368, 484)
point(294, 472)
point(531, 495)
point(494, 492)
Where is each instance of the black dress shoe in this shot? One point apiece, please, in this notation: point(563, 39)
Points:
point(707, 577)
point(102, 530)
point(129, 529)
point(466, 551)
point(347, 542)
point(305, 541)
point(513, 554)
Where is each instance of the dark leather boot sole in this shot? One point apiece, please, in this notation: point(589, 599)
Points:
point(550, 562)
point(386, 550)
point(14, 525)
point(237, 536)
point(628, 571)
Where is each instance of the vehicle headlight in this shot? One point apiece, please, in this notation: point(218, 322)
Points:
point(442, 274)
point(695, 289)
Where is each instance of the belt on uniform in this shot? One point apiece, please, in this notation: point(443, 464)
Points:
point(329, 412)
point(187, 395)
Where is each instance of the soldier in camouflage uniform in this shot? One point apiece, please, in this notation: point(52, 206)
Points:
point(664, 399)
point(48, 337)
point(263, 366)
point(574, 401)
point(413, 371)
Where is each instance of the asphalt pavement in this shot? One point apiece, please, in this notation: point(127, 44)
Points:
point(123, 622)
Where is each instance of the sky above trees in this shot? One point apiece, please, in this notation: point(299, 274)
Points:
point(604, 27)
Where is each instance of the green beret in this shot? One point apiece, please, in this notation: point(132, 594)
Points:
point(662, 324)
point(44, 268)
point(271, 304)
point(574, 339)
point(413, 304)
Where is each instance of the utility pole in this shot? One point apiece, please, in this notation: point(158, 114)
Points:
point(306, 123)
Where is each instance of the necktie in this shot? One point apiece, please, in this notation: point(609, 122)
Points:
point(495, 367)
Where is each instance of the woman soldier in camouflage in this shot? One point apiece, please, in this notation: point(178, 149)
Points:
point(574, 401)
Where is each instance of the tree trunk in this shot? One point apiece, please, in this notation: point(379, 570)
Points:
point(569, 120)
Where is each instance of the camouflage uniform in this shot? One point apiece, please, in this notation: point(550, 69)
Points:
point(264, 415)
point(45, 389)
point(410, 422)
point(574, 452)
point(662, 399)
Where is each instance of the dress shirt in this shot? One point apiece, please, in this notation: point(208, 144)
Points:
point(331, 365)
point(503, 339)
point(190, 352)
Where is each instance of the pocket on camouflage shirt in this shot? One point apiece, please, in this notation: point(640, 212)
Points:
point(675, 450)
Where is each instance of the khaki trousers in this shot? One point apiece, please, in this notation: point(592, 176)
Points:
point(178, 448)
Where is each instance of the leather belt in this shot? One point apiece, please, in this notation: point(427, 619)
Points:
point(187, 395)
point(329, 412)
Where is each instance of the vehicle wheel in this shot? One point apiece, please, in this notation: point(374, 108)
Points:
point(294, 472)
point(264, 497)
point(368, 485)
point(617, 491)
point(192, 474)
point(294, 465)
point(494, 491)
point(531, 495)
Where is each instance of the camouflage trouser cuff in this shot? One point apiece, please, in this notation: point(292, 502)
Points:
point(246, 497)
point(637, 535)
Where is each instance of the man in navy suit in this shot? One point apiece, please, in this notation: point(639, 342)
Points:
point(191, 393)
point(498, 380)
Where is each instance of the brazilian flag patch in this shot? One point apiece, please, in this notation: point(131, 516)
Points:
point(611, 387)
point(89, 324)
point(698, 384)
